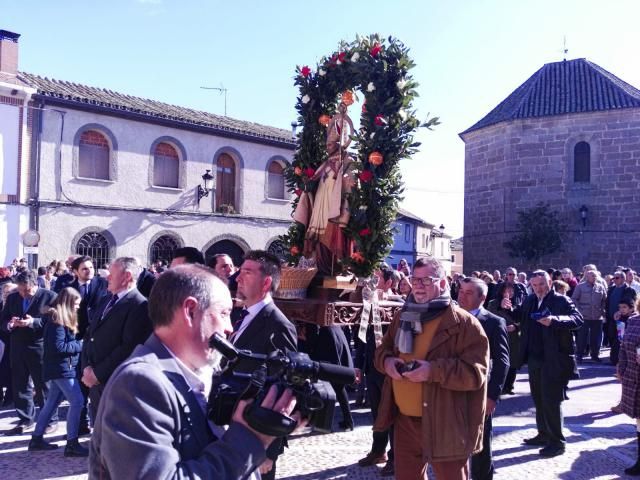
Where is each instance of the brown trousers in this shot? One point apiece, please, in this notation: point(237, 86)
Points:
point(408, 463)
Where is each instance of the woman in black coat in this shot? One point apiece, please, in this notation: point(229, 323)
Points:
point(61, 354)
point(329, 345)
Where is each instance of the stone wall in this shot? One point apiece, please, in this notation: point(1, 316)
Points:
point(513, 166)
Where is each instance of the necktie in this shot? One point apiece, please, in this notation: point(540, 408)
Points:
point(83, 291)
point(112, 302)
point(239, 319)
point(237, 323)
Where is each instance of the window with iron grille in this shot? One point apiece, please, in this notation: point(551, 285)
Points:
point(96, 246)
point(278, 249)
point(163, 248)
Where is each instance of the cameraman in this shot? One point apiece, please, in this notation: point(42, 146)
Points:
point(151, 421)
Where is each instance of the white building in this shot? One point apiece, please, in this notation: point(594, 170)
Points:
point(112, 175)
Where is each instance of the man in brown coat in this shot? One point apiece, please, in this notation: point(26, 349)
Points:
point(435, 356)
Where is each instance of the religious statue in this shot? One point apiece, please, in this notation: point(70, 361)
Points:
point(325, 212)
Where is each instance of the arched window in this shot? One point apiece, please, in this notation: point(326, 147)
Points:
point(163, 248)
point(96, 246)
point(93, 155)
point(277, 248)
point(166, 165)
point(275, 180)
point(226, 184)
point(582, 163)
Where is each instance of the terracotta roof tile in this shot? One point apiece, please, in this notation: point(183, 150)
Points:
point(100, 97)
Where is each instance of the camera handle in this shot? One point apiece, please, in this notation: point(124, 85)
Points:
point(269, 422)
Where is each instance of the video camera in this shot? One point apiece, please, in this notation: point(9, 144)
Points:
point(310, 382)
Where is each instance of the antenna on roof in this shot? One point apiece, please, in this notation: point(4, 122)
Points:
point(565, 50)
point(222, 90)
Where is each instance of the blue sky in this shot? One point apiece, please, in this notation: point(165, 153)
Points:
point(470, 55)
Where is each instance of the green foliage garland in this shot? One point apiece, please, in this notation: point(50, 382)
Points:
point(379, 69)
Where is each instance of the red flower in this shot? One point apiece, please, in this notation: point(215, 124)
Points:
point(309, 172)
point(294, 251)
point(305, 71)
point(357, 257)
point(380, 121)
point(366, 175)
point(298, 191)
point(375, 50)
point(364, 232)
point(342, 56)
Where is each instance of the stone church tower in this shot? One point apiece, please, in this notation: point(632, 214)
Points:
point(570, 136)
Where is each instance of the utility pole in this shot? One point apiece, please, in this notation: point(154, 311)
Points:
point(222, 90)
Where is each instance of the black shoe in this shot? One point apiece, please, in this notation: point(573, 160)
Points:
point(84, 429)
point(508, 391)
point(38, 444)
point(346, 425)
point(74, 449)
point(597, 360)
point(387, 470)
point(22, 427)
point(552, 450)
point(634, 469)
point(537, 441)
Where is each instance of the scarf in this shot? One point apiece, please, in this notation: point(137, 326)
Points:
point(413, 315)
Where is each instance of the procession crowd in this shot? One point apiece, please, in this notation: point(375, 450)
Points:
point(128, 348)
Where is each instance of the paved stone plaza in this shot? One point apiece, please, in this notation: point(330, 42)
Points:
point(600, 443)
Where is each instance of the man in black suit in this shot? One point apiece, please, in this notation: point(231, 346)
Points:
point(261, 327)
point(22, 318)
point(471, 297)
point(547, 322)
point(92, 289)
point(616, 293)
point(116, 327)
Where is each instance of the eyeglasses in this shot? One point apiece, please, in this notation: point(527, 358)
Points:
point(424, 281)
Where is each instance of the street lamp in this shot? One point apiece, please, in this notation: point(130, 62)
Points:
point(208, 180)
point(583, 215)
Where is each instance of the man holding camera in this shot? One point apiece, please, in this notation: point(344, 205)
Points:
point(151, 422)
point(435, 356)
point(547, 320)
point(260, 326)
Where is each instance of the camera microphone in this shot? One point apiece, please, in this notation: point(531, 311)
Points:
point(224, 346)
point(335, 373)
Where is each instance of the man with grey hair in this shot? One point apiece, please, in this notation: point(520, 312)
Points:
point(435, 356)
point(471, 297)
point(547, 321)
point(152, 418)
point(119, 324)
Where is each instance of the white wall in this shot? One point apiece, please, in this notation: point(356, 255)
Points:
point(9, 134)
point(14, 221)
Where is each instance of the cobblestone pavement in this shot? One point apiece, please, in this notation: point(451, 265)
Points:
point(600, 443)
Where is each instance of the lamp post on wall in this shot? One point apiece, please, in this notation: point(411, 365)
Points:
point(584, 211)
point(208, 181)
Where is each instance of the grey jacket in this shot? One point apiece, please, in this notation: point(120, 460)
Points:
point(590, 300)
point(150, 426)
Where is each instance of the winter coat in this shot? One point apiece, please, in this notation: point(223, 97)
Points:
point(454, 398)
point(590, 300)
point(629, 369)
point(514, 337)
point(61, 352)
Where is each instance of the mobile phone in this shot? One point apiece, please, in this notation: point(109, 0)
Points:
point(407, 367)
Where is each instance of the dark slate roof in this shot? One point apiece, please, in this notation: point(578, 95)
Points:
point(570, 86)
point(100, 98)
